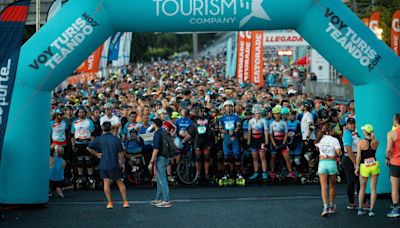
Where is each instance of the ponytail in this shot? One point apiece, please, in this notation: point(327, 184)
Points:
point(324, 131)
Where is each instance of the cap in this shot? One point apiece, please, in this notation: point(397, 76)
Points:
point(161, 111)
point(108, 106)
point(157, 121)
point(175, 115)
point(368, 128)
point(351, 121)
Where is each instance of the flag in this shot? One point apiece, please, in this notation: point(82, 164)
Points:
point(395, 42)
point(92, 63)
point(240, 57)
point(12, 27)
point(257, 57)
point(54, 8)
point(124, 52)
point(114, 46)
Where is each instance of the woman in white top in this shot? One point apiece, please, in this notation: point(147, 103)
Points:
point(329, 148)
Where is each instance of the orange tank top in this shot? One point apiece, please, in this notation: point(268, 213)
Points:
point(395, 159)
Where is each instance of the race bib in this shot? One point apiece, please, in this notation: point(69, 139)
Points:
point(183, 133)
point(369, 162)
point(230, 125)
point(82, 133)
point(291, 133)
point(201, 129)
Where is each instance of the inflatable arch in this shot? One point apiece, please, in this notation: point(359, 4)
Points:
point(82, 26)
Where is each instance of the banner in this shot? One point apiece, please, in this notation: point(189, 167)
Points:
point(240, 57)
point(284, 38)
point(228, 57)
point(92, 64)
point(257, 57)
point(81, 78)
point(12, 28)
point(374, 24)
point(395, 32)
point(114, 46)
point(247, 57)
point(124, 53)
point(54, 8)
point(365, 21)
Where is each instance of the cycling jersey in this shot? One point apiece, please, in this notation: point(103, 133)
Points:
point(82, 130)
point(257, 128)
point(58, 135)
point(183, 125)
point(129, 126)
point(229, 122)
point(278, 130)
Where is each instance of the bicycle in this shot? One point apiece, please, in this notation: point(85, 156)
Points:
point(186, 169)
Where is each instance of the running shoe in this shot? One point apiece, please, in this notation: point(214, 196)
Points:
point(264, 176)
point(325, 212)
point(332, 210)
point(351, 206)
point(171, 179)
point(291, 175)
point(272, 175)
point(254, 176)
point(365, 206)
point(164, 204)
point(394, 213)
point(155, 202)
point(109, 205)
point(361, 211)
point(125, 204)
point(371, 213)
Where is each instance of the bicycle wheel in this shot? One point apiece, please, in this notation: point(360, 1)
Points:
point(186, 171)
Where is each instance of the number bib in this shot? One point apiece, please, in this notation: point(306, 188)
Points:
point(201, 129)
point(229, 125)
point(369, 162)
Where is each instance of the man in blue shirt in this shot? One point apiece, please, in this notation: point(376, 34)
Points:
point(108, 149)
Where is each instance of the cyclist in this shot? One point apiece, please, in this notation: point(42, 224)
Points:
point(184, 127)
point(329, 147)
point(350, 140)
point(367, 166)
point(294, 141)
point(82, 129)
point(58, 129)
point(110, 117)
point(230, 126)
point(257, 139)
point(278, 132)
point(203, 143)
point(308, 130)
point(393, 161)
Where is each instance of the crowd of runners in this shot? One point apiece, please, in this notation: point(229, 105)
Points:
point(234, 133)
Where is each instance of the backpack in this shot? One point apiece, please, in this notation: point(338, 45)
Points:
point(168, 145)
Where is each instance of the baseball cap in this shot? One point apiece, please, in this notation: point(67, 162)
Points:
point(175, 115)
point(368, 128)
point(157, 121)
point(351, 121)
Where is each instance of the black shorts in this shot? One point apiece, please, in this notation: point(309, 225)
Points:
point(394, 170)
point(81, 150)
point(256, 143)
point(56, 184)
point(114, 174)
point(203, 142)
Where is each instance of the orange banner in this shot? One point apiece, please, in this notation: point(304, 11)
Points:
point(395, 42)
point(240, 57)
point(366, 21)
point(93, 62)
point(257, 57)
point(247, 57)
point(374, 24)
point(81, 78)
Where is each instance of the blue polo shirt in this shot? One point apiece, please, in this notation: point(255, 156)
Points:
point(157, 142)
point(109, 146)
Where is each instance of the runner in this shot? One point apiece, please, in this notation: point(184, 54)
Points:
point(393, 161)
point(257, 139)
point(110, 117)
point(329, 148)
point(367, 167)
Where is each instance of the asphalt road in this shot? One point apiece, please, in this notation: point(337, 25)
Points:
point(257, 206)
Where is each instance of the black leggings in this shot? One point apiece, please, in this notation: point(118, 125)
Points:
point(352, 180)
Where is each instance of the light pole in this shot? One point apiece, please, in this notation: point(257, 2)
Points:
point(37, 15)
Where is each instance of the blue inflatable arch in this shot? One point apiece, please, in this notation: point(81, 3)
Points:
point(82, 26)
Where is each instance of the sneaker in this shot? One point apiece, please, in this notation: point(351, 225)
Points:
point(109, 205)
point(365, 206)
point(155, 202)
point(361, 211)
point(291, 175)
point(254, 176)
point(164, 204)
point(395, 213)
point(351, 206)
point(332, 210)
point(325, 212)
point(371, 213)
point(171, 179)
point(239, 176)
point(272, 175)
point(125, 204)
point(264, 176)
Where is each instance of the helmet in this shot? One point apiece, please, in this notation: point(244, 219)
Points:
point(58, 111)
point(308, 105)
point(228, 102)
point(94, 108)
point(277, 109)
point(256, 109)
point(108, 106)
point(247, 112)
point(161, 111)
point(80, 107)
point(285, 111)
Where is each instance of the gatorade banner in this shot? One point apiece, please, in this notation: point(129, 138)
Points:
point(374, 24)
point(365, 21)
point(247, 57)
point(114, 46)
point(257, 57)
point(240, 57)
point(91, 65)
point(12, 27)
point(395, 32)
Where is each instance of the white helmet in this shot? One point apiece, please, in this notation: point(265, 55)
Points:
point(228, 102)
point(256, 109)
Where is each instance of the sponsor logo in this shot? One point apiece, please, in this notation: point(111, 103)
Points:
point(65, 44)
point(4, 73)
point(396, 24)
point(351, 41)
point(200, 12)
